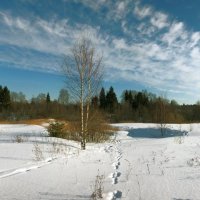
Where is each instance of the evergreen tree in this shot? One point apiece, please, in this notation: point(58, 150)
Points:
point(130, 97)
point(126, 96)
point(48, 99)
point(102, 99)
point(141, 99)
point(111, 100)
point(5, 97)
point(1, 97)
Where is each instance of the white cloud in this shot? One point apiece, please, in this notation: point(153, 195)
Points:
point(195, 38)
point(176, 31)
point(195, 53)
point(54, 37)
point(150, 19)
point(142, 12)
point(159, 20)
point(124, 27)
point(170, 62)
point(120, 44)
point(117, 10)
point(95, 5)
point(166, 59)
point(146, 29)
point(121, 7)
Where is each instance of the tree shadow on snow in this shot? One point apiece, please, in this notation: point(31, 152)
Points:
point(155, 133)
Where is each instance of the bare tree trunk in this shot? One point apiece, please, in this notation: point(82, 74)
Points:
point(88, 101)
point(83, 77)
point(90, 67)
point(87, 114)
point(82, 117)
point(88, 107)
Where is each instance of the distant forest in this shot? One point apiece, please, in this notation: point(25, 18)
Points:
point(134, 106)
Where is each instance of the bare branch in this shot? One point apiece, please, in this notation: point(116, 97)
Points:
point(83, 71)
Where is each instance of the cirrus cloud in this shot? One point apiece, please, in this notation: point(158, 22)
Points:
point(138, 42)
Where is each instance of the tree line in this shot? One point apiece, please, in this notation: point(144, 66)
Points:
point(133, 106)
point(143, 106)
point(15, 105)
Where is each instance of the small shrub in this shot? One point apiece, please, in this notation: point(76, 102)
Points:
point(98, 130)
point(56, 129)
point(18, 139)
point(38, 152)
point(98, 188)
point(64, 130)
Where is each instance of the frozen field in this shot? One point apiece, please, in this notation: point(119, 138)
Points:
point(137, 164)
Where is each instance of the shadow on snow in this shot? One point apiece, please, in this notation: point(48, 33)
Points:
point(155, 133)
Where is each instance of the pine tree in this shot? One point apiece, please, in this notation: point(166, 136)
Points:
point(1, 97)
point(5, 97)
point(48, 99)
point(130, 97)
point(102, 99)
point(111, 100)
point(126, 96)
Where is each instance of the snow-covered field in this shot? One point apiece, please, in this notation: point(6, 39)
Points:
point(137, 164)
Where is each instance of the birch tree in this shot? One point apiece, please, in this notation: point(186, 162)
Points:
point(83, 71)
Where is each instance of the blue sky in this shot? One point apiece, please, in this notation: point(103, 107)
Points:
point(146, 44)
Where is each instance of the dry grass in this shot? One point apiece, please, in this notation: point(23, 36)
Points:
point(98, 129)
point(29, 121)
point(97, 132)
point(98, 188)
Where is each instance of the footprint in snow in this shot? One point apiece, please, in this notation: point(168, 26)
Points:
point(113, 195)
point(118, 158)
point(116, 165)
point(117, 194)
point(114, 176)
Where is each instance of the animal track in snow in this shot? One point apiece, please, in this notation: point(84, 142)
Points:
point(117, 155)
point(113, 195)
point(11, 172)
point(115, 177)
point(116, 165)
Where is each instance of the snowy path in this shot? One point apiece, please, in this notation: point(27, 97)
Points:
point(116, 151)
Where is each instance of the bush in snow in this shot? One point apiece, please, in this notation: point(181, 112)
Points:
point(98, 130)
point(56, 129)
point(98, 187)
